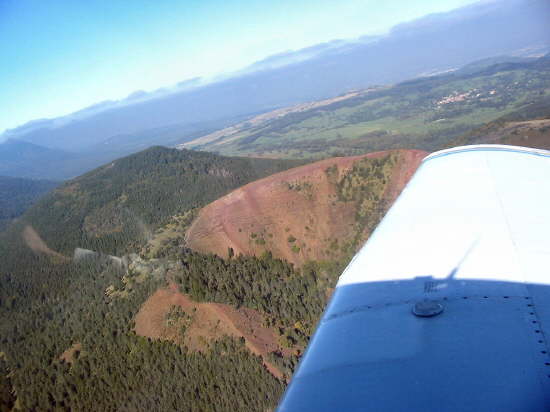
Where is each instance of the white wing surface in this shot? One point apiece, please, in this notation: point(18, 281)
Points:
point(467, 248)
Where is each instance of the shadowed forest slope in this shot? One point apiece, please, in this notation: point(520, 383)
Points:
point(18, 194)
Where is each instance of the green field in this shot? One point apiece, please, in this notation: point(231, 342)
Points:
point(425, 113)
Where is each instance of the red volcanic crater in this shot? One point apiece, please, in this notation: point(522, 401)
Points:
point(295, 214)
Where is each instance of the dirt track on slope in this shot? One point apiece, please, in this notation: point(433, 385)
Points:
point(36, 244)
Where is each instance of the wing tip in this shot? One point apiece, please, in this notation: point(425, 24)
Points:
point(487, 148)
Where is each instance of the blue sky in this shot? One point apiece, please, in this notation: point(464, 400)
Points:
point(60, 56)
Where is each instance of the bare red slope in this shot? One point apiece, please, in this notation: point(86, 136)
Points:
point(294, 214)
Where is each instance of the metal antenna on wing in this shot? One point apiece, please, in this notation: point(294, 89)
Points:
point(428, 308)
point(453, 272)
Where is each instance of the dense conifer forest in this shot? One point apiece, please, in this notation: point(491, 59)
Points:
point(48, 307)
point(66, 344)
point(292, 299)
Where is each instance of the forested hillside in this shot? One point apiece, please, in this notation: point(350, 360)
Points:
point(67, 344)
point(68, 338)
point(115, 208)
point(17, 195)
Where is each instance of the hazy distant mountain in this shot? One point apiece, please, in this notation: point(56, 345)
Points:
point(434, 43)
point(19, 158)
point(296, 56)
point(482, 64)
point(23, 159)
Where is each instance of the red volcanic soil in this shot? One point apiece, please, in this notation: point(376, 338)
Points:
point(209, 322)
point(68, 355)
point(299, 203)
point(409, 160)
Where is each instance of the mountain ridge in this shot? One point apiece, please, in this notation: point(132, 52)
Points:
point(387, 60)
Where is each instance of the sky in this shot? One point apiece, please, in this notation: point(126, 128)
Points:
point(61, 56)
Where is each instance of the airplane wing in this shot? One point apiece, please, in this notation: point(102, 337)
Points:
point(447, 306)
